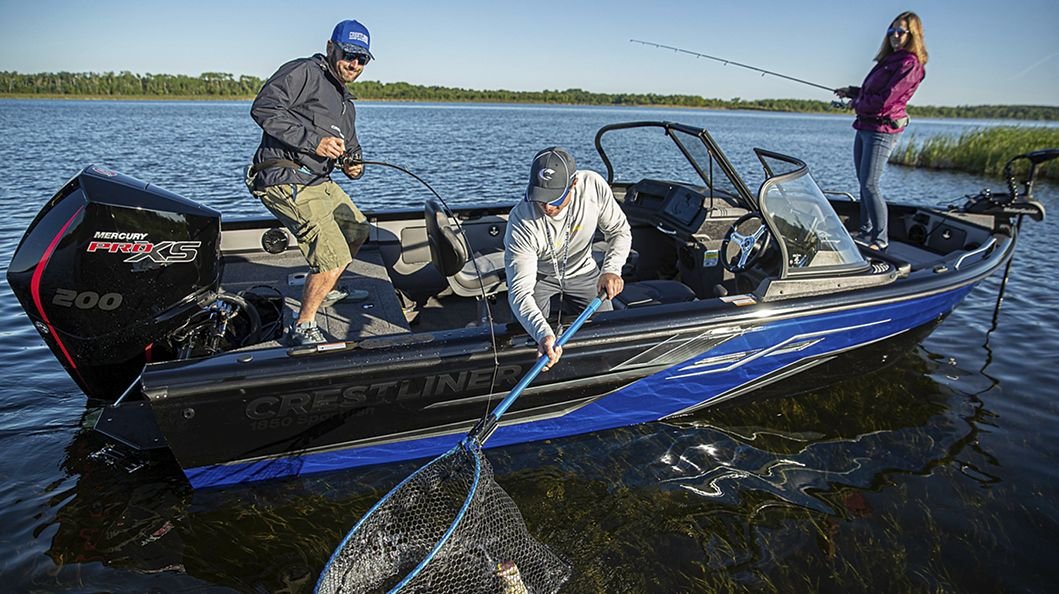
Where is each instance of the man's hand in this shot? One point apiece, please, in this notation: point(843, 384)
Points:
point(353, 171)
point(611, 283)
point(547, 347)
point(331, 147)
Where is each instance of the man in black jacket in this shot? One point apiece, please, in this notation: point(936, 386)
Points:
point(309, 126)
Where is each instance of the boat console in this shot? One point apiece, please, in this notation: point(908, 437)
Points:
point(680, 210)
point(683, 224)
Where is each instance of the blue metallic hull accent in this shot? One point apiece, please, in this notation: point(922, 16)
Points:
point(749, 356)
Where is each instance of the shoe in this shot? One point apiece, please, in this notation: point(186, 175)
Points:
point(305, 334)
point(343, 294)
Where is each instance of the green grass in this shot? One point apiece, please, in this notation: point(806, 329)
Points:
point(984, 151)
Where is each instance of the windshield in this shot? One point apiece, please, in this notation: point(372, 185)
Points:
point(812, 237)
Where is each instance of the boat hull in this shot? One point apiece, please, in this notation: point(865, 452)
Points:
point(720, 361)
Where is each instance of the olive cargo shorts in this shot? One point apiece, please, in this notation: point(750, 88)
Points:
point(323, 219)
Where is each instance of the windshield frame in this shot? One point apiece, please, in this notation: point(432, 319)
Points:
point(714, 152)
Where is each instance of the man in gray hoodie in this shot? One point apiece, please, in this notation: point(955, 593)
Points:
point(548, 244)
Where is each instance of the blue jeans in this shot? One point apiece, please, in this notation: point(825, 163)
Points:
point(870, 152)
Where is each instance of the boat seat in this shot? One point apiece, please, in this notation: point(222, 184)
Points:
point(450, 255)
point(599, 252)
point(653, 292)
point(452, 258)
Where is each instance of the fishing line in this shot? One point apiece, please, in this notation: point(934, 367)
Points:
point(347, 160)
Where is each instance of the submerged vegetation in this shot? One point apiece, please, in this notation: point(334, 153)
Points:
point(220, 85)
point(985, 150)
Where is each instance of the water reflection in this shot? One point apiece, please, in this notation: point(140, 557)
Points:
point(764, 497)
point(746, 497)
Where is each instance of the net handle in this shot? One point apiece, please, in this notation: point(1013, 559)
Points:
point(486, 426)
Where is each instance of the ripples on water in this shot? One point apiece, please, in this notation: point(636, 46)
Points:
point(935, 473)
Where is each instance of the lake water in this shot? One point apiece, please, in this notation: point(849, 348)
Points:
point(936, 474)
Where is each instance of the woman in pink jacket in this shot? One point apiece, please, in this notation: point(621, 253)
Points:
point(880, 105)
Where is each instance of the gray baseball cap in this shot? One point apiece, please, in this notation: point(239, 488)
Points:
point(550, 175)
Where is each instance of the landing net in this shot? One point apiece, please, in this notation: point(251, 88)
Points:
point(449, 527)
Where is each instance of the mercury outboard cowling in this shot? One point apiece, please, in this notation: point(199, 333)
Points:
point(110, 265)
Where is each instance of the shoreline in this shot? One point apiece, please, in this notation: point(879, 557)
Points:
point(741, 107)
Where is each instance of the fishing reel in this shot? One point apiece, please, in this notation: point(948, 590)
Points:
point(351, 158)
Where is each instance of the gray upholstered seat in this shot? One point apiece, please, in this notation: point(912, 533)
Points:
point(653, 292)
point(450, 255)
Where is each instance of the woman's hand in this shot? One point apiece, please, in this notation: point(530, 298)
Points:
point(847, 92)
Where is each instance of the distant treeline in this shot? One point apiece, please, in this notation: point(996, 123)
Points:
point(128, 84)
point(221, 85)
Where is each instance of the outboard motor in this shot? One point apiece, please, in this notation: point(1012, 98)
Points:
point(110, 266)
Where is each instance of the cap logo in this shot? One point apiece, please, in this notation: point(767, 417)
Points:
point(545, 174)
point(358, 36)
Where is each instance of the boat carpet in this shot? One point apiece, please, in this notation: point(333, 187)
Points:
point(916, 256)
point(378, 315)
point(450, 311)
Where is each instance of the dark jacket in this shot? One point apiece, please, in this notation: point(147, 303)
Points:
point(301, 103)
point(885, 92)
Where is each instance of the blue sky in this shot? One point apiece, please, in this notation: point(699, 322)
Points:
point(981, 51)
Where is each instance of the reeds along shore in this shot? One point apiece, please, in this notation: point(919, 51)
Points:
point(984, 151)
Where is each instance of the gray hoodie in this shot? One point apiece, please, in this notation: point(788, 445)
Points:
point(527, 252)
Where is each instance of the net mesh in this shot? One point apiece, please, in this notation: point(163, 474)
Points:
point(489, 550)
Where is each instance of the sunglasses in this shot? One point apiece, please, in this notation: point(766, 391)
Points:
point(897, 31)
point(355, 56)
point(559, 201)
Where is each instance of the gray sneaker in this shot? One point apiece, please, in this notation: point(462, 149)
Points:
point(305, 334)
point(343, 294)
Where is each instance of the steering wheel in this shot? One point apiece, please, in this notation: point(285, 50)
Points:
point(749, 237)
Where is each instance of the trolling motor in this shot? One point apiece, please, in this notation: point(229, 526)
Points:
point(1018, 200)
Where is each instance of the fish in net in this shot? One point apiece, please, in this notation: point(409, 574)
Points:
point(447, 528)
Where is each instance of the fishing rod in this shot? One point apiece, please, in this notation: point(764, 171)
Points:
point(726, 62)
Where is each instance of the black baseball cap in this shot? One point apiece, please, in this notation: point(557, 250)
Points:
point(550, 175)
